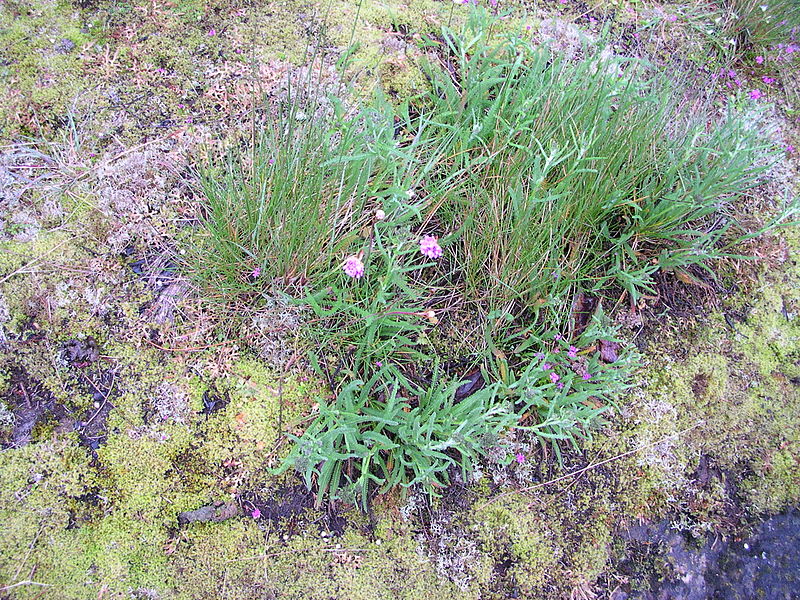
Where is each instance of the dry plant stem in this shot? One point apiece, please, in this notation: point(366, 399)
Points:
point(31, 263)
point(590, 467)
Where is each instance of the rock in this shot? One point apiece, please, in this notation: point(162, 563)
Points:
point(210, 513)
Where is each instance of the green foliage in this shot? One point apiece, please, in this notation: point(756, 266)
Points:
point(755, 24)
point(298, 200)
point(386, 434)
point(576, 175)
point(545, 177)
point(380, 317)
point(562, 388)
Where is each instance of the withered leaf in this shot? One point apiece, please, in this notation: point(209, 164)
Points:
point(608, 350)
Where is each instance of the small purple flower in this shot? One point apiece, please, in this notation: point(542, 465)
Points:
point(378, 364)
point(756, 94)
point(768, 80)
point(560, 385)
point(354, 267)
point(587, 376)
point(256, 273)
point(271, 161)
point(430, 247)
point(520, 457)
point(256, 513)
point(554, 377)
point(573, 352)
point(546, 366)
point(672, 18)
point(760, 60)
point(212, 32)
point(539, 355)
point(789, 148)
point(557, 336)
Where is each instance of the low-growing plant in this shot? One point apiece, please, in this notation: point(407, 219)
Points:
point(384, 433)
point(562, 387)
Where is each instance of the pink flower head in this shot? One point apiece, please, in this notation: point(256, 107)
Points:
point(587, 376)
point(256, 513)
point(430, 247)
point(212, 32)
point(672, 18)
point(554, 377)
point(520, 457)
point(573, 352)
point(255, 273)
point(557, 337)
point(756, 94)
point(546, 366)
point(379, 363)
point(354, 267)
point(560, 385)
point(760, 60)
point(789, 148)
point(271, 161)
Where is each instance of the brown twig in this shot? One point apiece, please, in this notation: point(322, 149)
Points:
point(587, 468)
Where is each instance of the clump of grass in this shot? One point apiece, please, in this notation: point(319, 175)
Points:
point(753, 24)
point(576, 175)
point(288, 208)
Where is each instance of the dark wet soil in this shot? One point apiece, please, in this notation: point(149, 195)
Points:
point(35, 408)
point(31, 403)
point(764, 566)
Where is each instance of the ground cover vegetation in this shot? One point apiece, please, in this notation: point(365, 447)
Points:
point(384, 401)
point(521, 185)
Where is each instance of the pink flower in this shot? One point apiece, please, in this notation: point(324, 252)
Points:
point(587, 376)
point(672, 18)
point(760, 60)
point(546, 367)
point(573, 352)
point(256, 273)
point(767, 80)
point(557, 337)
point(256, 513)
point(560, 385)
point(790, 148)
point(554, 377)
point(430, 247)
point(212, 32)
point(756, 95)
point(354, 267)
point(520, 457)
point(378, 364)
